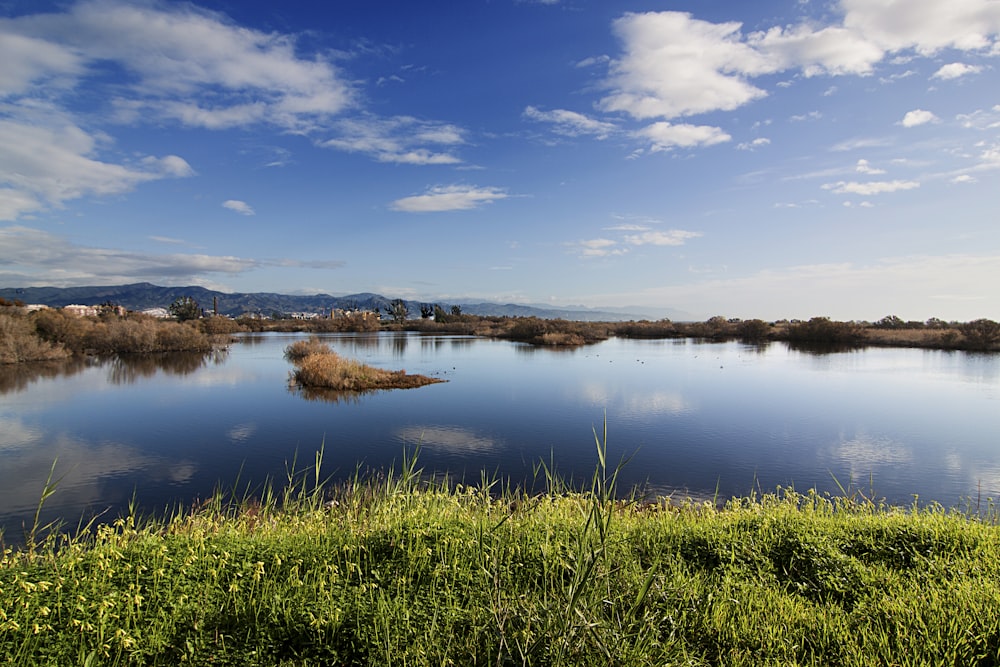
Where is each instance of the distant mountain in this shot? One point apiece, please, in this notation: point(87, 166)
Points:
point(141, 296)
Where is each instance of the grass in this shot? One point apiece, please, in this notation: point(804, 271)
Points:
point(401, 570)
point(317, 366)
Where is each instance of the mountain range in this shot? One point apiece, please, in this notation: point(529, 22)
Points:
point(142, 296)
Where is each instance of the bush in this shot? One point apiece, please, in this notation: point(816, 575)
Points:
point(824, 331)
point(19, 341)
point(980, 334)
point(753, 330)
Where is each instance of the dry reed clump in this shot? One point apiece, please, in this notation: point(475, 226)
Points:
point(301, 349)
point(19, 342)
point(319, 367)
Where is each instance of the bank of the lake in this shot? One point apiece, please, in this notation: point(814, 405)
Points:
point(398, 571)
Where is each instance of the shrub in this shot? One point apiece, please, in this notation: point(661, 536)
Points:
point(824, 331)
point(301, 349)
point(19, 341)
point(980, 334)
point(753, 330)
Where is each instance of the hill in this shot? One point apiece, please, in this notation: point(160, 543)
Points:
point(140, 296)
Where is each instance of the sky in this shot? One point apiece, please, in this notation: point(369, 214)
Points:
point(771, 159)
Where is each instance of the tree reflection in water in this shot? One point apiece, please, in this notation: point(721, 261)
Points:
point(18, 377)
point(128, 369)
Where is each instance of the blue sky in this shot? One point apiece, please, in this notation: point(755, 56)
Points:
point(773, 159)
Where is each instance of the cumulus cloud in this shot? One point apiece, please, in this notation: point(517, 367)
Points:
point(449, 198)
point(240, 207)
point(870, 188)
point(926, 26)
point(918, 117)
point(571, 123)
point(675, 65)
point(955, 71)
point(666, 136)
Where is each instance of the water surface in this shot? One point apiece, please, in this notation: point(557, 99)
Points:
point(694, 418)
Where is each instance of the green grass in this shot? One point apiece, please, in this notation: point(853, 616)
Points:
point(406, 571)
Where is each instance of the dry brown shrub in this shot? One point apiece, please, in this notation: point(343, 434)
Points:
point(301, 349)
point(562, 339)
point(331, 371)
point(19, 342)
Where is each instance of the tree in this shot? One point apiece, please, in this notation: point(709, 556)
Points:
point(456, 311)
point(426, 310)
point(185, 308)
point(890, 322)
point(397, 310)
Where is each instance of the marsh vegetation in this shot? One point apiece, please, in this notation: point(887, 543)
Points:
point(401, 569)
point(317, 366)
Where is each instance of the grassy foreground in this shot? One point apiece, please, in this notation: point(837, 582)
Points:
point(404, 572)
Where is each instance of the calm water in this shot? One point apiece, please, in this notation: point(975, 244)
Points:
point(694, 417)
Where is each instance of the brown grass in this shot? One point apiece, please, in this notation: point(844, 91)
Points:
point(319, 367)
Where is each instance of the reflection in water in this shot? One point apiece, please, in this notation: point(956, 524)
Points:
point(241, 432)
point(18, 377)
point(452, 438)
point(128, 369)
point(865, 454)
point(708, 418)
point(85, 473)
point(329, 395)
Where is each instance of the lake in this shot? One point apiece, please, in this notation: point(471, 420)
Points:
point(693, 418)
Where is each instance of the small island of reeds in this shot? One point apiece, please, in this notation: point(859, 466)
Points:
point(317, 366)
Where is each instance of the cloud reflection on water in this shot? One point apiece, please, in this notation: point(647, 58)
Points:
point(452, 438)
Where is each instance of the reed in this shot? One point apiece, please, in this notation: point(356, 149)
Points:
point(317, 366)
point(405, 569)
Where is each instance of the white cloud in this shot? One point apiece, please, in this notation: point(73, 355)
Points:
point(832, 50)
point(858, 143)
point(955, 71)
point(675, 65)
point(812, 115)
point(870, 188)
point(240, 207)
point(599, 248)
point(571, 123)
point(756, 143)
point(964, 178)
point(449, 198)
point(666, 136)
point(226, 74)
point(49, 163)
point(981, 119)
point(926, 26)
point(672, 237)
point(864, 167)
point(918, 117)
point(400, 140)
point(28, 60)
point(32, 256)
